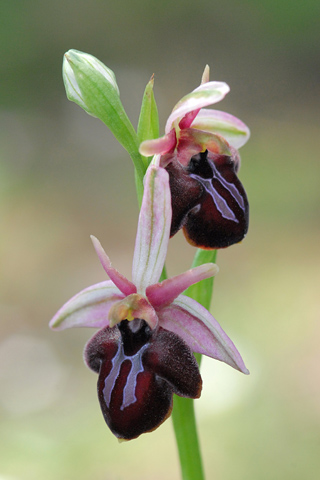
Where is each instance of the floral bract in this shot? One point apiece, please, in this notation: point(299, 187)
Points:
point(199, 151)
point(148, 330)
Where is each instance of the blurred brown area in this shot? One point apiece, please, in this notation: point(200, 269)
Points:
point(63, 177)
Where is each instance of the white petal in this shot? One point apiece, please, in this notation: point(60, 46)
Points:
point(71, 84)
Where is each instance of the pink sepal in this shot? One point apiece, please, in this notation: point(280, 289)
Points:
point(229, 127)
point(197, 327)
point(88, 308)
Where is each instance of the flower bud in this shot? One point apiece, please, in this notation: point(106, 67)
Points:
point(79, 71)
point(92, 85)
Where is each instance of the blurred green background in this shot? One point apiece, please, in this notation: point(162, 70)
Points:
point(64, 177)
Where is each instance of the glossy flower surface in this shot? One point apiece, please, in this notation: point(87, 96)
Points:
point(148, 330)
point(199, 151)
point(139, 370)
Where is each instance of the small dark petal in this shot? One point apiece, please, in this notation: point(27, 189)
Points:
point(171, 359)
point(101, 347)
point(185, 194)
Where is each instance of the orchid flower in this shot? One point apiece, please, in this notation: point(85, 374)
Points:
point(148, 330)
point(199, 151)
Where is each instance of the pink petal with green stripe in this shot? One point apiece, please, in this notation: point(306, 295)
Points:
point(153, 229)
point(165, 292)
point(124, 285)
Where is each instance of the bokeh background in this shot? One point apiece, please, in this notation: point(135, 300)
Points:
point(63, 176)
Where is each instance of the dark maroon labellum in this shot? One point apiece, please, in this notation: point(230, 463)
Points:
point(208, 201)
point(139, 370)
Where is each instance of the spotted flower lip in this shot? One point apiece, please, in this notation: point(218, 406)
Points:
point(159, 304)
point(191, 129)
point(148, 330)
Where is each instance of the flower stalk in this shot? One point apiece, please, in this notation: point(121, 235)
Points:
point(185, 429)
point(183, 414)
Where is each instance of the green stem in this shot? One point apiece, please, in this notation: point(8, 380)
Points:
point(185, 428)
point(183, 415)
